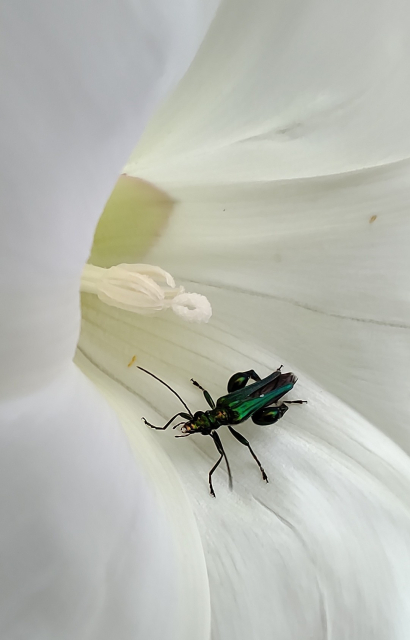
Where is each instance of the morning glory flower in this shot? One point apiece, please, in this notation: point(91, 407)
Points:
point(284, 152)
point(277, 170)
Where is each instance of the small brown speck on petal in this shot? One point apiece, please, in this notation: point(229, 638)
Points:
point(131, 362)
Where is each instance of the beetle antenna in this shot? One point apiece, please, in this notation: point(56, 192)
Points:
point(170, 388)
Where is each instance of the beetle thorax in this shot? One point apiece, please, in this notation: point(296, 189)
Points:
point(218, 416)
point(199, 424)
point(206, 421)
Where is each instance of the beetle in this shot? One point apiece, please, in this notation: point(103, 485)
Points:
point(242, 401)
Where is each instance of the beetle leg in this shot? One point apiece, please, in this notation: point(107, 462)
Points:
point(220, 448)
point(183, 415)
point(294, 402)
point(268, 415)
point(211, 489)
point(207, 395)
point(239, 380)
point(244, 441)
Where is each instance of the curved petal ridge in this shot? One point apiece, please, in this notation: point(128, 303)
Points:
point(191, 597)
point(286, 89)
point(295, 544)
point(88, 552)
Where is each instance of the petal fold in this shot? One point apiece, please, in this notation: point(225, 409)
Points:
point(286, 89)
point(319, 538)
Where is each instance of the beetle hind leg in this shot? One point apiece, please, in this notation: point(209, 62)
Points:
point(268, 415)
point(239, 380)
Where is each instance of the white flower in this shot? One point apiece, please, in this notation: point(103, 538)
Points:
point(88, 550)
point(284, 150)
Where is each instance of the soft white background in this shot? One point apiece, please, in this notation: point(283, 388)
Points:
point(87, 550)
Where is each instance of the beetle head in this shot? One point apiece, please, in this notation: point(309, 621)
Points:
point(188, 427)
point(198, 424)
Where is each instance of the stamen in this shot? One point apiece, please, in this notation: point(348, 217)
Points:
point(143, 289)
point(192, 307)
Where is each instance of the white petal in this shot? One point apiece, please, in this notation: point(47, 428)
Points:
point(301, 268)
point(188, 596)
point(316, 550)
point(286, 89)
point(87, 551)
point(297, 271)
point(313, 272)
point(79, 83)
point(323, 261)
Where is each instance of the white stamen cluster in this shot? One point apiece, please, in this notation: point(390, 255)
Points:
point(144, 289)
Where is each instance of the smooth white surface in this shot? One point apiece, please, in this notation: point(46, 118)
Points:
point(87, 552)
point(287, 89)
point(298, 268)
point(189, 596)
point(79, 82)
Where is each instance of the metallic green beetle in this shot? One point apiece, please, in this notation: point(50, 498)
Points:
point(242, 401)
